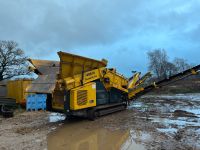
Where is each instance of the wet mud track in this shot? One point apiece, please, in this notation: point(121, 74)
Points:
point(151, 122)
point(82, 136)
point(166, 122)
point(176, 117)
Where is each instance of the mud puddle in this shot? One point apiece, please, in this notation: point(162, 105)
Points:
point(176, 116)
point(154, 122)
point(80, 135)
point(177, 110)
point(188, 96)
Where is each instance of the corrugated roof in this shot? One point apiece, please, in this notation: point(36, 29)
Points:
point(3, 82)
point(3, 91)
point(45, 67)
point(43, 84)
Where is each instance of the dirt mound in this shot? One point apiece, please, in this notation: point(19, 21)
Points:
point(179, 135)
point(182, 113)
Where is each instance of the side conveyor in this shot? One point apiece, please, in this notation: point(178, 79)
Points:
point(142, 90)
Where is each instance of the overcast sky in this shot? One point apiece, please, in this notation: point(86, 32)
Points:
point(121, 31)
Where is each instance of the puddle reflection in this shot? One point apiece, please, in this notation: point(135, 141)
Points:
point(81, 136)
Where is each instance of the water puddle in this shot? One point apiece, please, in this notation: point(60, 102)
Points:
point(188, 96)
point(84, 136)
point(179, 122)
point(195, 111)
point(178, 111)
point(167, 130)
point(198, 131)
point(55, 117)
point(132, 145)
point(136, 104)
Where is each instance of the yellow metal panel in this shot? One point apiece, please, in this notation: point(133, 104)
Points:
point(194, 72)
point(24, 84)
point(58, 100)
point(133, 92)
point(83, 96)
point(134, 80)
point(91, 75)
point(72, 82)
point(16, 89)
point(116, 80)
point(71, 65)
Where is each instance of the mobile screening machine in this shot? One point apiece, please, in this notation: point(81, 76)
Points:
point(85, 87)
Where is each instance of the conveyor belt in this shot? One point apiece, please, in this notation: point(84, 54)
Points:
point(189, 72)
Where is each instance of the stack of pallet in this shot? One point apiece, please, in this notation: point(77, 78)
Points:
point(36, 102)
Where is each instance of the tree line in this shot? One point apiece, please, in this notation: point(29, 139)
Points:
point(162, 67)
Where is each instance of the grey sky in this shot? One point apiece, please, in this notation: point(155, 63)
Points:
point(121, 31)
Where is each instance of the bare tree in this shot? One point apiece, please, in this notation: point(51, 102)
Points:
point(13, 62)
point(162, 67)
point(181, 64)
point(170, 69)
point(158, 62)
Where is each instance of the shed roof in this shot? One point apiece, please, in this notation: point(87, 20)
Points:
point(43, 84)
point(3, 82)
point(45, 67)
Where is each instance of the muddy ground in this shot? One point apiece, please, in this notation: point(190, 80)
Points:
point(157, 122)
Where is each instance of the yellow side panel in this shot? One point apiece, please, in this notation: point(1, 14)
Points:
point(25, 84)
point(133, 81)
point(14, 90)
point(71, 64)
point(58, 100)
point(87, 77)
point(133, 92)
point(83, 96)
point(17, 90)
point(92, 75)
point(116, 80)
